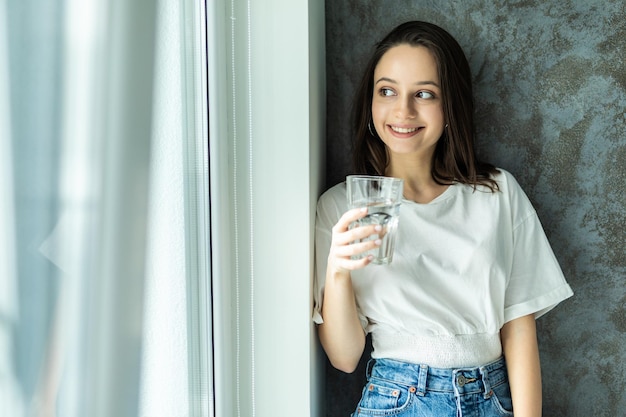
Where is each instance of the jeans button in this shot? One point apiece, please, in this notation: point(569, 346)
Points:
point(461, 380)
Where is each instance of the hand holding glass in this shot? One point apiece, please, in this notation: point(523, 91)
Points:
point(382, 197)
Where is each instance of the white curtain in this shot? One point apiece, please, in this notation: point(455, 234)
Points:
point(11, 396)
point(76, 164)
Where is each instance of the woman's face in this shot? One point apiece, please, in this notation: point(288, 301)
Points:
point(407, 109)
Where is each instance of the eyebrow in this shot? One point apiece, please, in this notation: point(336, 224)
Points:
point(389, 80)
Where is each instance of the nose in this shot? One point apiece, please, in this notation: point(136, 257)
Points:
point(406, 109)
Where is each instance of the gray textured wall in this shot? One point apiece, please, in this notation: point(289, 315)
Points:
point(550, 90)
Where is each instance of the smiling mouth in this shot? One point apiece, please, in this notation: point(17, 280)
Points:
point(403, 129)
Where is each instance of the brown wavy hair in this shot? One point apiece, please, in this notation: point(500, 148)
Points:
point(454, 159)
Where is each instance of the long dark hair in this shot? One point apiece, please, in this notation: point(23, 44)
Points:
point(454, 159)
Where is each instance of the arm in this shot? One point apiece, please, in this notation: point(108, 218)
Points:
point(519, 343)
point(341, 334)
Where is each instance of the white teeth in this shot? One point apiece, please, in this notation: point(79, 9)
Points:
point(403, 130)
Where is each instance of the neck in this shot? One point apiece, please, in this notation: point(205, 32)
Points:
point(419, 184)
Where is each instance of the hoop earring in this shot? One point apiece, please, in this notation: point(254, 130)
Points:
point(369, 127)
point(444, 135)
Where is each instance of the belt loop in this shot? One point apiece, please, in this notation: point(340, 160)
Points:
point(421, 380)
point(369, 367)
point(486, 383)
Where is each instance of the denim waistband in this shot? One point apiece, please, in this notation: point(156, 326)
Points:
point(420, 378)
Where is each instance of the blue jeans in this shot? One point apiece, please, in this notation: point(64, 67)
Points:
point(404, 389)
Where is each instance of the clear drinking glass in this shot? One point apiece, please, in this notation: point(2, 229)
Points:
point(382, 197)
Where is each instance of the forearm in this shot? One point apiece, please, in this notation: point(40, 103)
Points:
point(519, 343)
point(341, 334)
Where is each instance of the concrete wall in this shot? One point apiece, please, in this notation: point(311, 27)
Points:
point(550, 91)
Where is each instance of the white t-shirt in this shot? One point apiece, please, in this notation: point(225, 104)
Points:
point(464, 265)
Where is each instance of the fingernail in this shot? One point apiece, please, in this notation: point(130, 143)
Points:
point(378, 242)
point(363, 209)
point(378, 228)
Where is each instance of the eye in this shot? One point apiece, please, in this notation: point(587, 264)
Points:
point(427, 95)
point(386, 92)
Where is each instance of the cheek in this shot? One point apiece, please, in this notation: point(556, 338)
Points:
point(377, 113)
point(434, 114)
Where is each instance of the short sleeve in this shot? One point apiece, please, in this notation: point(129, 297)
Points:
point(322, 248)
point(536, 283)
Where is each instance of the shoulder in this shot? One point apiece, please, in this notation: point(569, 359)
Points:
point(333, 202)
point(498, 184)
point(512, 191)
point(507, 183)
point(509, 193)
point(502, 175)
point(334, 195)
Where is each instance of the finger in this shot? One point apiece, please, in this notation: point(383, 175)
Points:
point(349, 217)
point(349, 264)
point(354, 249)
point(357, 233)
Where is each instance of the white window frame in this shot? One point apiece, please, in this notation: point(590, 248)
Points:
point(266, 133)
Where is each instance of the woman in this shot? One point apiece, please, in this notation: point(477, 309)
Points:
point(452, 318)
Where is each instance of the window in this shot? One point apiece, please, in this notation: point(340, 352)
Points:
point(156, 235)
